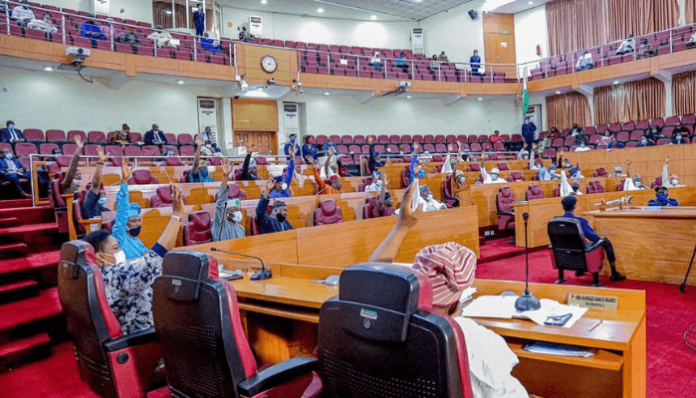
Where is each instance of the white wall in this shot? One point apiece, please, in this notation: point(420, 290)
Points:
point(391, 35)
point(46, 100)
point(345, 115)
point(531, 30)
point(455, 33)
point(140, 10)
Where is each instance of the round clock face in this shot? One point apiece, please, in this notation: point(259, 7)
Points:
point(269, 64)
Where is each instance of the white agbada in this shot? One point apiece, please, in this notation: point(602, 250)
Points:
point(630, 186)
point(488, 179)
point(447, 167)
point(566, 189)
point(666, 182)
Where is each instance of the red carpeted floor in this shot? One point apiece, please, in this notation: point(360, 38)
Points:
point(671, 365)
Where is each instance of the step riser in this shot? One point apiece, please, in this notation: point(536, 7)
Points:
point(25, 356)
point(45, 276)
point(29, 216)
point(53, 325)
point(36, 239)
point(19, 294)
point(8, 222)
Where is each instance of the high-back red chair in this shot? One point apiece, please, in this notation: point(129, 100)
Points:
point(595, 187)
point(197, 230)
point(535, 192)
point(601, 172)
point(235, 192)
point(112, 364)
point(365, 182)
point(383, 312)
point(447, 195)
point(506, 215)
point(516, 176)
point(656, 183)
point(163, 197)
point(206, 353)
point(406, 177)
point(142, 177)
point(173, 161)
point(474, 167)
point(328, 213)
point(503, 166)
point(571, 250)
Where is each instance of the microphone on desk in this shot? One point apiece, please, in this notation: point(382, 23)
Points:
point(527, 301)
point(263, 274)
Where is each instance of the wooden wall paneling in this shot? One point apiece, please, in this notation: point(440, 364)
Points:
point(499, 43)
point(252, 56)
point(254, 115)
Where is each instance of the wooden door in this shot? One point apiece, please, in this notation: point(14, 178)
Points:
point(264, 140)
point(499, 43)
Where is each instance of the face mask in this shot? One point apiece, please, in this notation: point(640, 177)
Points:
point(11, 127)
point(421, 174)
point(170, 153)
point(638, 184)
point(119, 258)
point(494, 176)
point(461, 180)
point(310, 142)
point(134, 231)
point(284, 186)
point(662, 198)
point(208, 145)
point(582, 145)
point(679, 138)
point(674, 182)
point(77, 182)
point(430, 196)
point(102, 201)
point(525, 157)
point(280, 217)
point(204, 173)
point(8, 156)
point(292, 142)
point(643, 141)
point(235, 217)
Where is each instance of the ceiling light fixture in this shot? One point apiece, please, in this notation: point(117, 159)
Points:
point(408, 97)
point(48, 69)
point(264, 1)
point(616, 82)
point(327, 93)
point(480, 99)
point(531, 2)
point(558, 92)
point(320, 10)
point(374, 17)
point(168, 12)
point(180, 82)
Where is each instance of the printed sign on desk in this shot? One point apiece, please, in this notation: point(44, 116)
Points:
point(592, 301)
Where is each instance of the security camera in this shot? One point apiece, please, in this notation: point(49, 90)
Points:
point(271, 81)
point(245, 87)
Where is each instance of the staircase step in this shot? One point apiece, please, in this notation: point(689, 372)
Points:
point(12, 204)
point(18, 290)
point(15, 249)
point(42, 267)
point(30, 215)
point(25, 312)
point(41, 237)
point(21, 350)
point(8, 222)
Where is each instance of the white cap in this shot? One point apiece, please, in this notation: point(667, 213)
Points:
point(495, 171)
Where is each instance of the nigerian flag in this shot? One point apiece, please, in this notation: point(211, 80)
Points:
point(525, 94)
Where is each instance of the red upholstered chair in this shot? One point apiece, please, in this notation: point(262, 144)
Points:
point(571, 250)
point(184, 139)
point(365, 182)
point(57, 202)
point(600, 172)
point(197, 230)
point(77, 212)
point(142, 177)
point(328, 213)
point(235, 192)
point(112, 364)
point(206, 352)
point(620, 186)
point(595, 187)
point(163, 197)
point(406, 177)
point(173, 161)
point(502, 166)
point(447, 195)
point(474, 167)
point(656, 183)
point(516, 176)
point(506, 215)
point(431, 349)
point(535, 192)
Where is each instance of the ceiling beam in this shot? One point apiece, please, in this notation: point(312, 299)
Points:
point(367, 98)
point(452, 99)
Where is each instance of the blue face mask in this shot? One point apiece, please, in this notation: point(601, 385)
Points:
point(134, 231)
point(102, 201)
point(11, 126)
point(292, 141)
point(204, 173)
point(662, 198)
point(421, 174)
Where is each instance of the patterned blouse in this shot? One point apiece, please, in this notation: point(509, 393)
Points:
point(129, 291)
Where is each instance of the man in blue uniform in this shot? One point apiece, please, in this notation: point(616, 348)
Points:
point(528, 129)
point(569, 203)
point(278, 220)
point(199, 20)
point(475, 62)
point(662, 199)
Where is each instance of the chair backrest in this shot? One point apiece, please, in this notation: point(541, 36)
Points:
point(25, 149)
point(505, 199)
point(406, 176)
point(197, 230)
point(502, 166)
point(198, 325)
point(328, 213)
point(516, 176)
point(34, 135)
point(173, 161)
point(383, 312)
point(163, 197)
point(595, 187)
point(89, 318)
point(567, 242)
point(55, 136)
point(142, 177)
point(656, 183)
point(600, 172)
point(474, 167)
point(184, 139)
point(535, 192)
point(96, 137)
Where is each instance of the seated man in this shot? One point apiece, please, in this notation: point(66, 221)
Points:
point(415, 169)
point(494, 177)
point(634, 184)
point(91, 30)
point(128, 283)
point(451, 269)
point(94, 203)
point(569, 203)
point(228, 212)
point(678, 138)
point(375, 161)
point(335, 185)
point(645, 141)
point(199, 172)
point(385, 203)
point(569, 189)
point(292, 142)
point(128, 222)
point(661, 198)
point(496, 137)
point(669, 181)
point(250, 169)
point(73, 178)
point(585, 62)
point(278, 220)
point(627, 46)
point(426, 200)
point(378, 182)
point(161, 37)
point(543, 173)
point(654, 134)
point(583, 147)
point(12, 170)
point(23, 14)
point(11, 134)
point(282, 184)
point(618, 172)
point(131, 37)
point(576, 131)
point(155, 136)
point(692, 41)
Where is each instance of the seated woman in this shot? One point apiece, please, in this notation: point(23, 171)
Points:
point(121, 137)
point(128, 221)
point(451, 269)
point(128, 283)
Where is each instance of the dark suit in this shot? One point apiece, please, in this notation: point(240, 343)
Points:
point(13, 178)
point(6, 135)
point(592, 236)
point(150, 138)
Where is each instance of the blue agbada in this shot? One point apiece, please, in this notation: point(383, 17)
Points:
point(133, 247)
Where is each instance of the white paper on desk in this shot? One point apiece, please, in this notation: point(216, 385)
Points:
point(500, 307)
point(552, 308)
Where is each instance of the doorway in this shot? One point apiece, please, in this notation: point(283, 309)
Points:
point(265, 141)
point(499, 43)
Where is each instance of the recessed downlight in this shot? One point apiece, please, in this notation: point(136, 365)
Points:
point(320, 10)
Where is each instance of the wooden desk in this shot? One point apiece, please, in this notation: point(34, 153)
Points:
point(651, 244)
point(281, 312)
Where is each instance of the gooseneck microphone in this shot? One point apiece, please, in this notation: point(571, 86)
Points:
point(263, 274)
point(526, 301)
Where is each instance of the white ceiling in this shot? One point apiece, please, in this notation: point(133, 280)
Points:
point(361, 10)
point(519, 6)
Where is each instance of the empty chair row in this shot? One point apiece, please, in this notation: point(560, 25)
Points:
point(94, 137)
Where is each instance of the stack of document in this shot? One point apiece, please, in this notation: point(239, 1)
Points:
point(559, 349)
point(503, 307)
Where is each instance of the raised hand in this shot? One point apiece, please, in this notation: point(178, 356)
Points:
point(667, 160)
point(78, 142)
point(415, 147)
point(385, 181)
point(199, 141)
point(310, 160)
point(178, 201)
point(126, 171)
point(291, 151)
point(226, 167)
point(268, 187)
point(103, 158)
point(331, 151)
point(407, 217)
point(628, 162)
point(450, 147)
